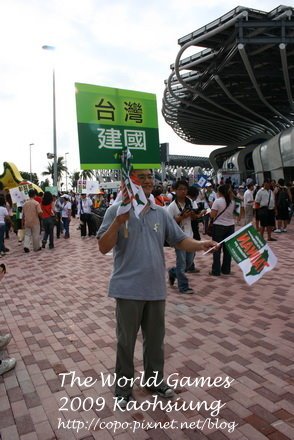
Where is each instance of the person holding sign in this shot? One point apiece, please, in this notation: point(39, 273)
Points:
point(138, 284)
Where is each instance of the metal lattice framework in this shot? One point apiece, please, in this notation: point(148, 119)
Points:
point(188, 161)
point(240, 88)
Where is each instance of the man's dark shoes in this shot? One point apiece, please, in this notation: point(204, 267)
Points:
point(188, 291)
point(214, 274)
point(26, 250)
point(122, 401)
point(163, 390)
point(194, 270)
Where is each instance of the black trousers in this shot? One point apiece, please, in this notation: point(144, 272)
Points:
point(130, 316)
point(86, 221)
point(219, 233)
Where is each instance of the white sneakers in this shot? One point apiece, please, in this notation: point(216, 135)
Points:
point(6, 364)
point(4, 341)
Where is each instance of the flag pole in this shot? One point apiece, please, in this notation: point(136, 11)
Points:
point(228, 238)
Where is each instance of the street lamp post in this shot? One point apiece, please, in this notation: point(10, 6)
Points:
point(30, 145)
point(46, 47)
point(66, 171)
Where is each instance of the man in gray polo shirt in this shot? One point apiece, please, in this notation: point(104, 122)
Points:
point(139, 287)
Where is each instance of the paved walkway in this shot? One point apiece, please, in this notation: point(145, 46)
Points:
point(55, 305)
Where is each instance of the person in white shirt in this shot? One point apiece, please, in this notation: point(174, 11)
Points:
point(240, 196)
point(3, 217)
point(181, 211)
point(66, 214)
point(248, 203)
point(84, 213)
point(222, 213)
point(265, 199)
point(208, 197)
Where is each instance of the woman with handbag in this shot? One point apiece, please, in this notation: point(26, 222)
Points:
point(222, 215)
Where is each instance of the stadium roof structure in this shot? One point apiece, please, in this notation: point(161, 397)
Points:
point(239, 89)
point(188, 161)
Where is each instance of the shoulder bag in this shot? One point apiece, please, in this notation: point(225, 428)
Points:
point(210, 224)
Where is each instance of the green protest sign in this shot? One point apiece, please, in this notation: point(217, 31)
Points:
point(52, 189)
point(109, 119)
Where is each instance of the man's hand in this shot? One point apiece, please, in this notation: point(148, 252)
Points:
point(187, 213)
point(210, 244)
point(191, 245)
point(122, 218)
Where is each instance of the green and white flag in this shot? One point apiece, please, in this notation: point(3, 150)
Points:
point(251, 252)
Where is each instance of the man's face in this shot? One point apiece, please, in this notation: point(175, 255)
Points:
point(181, 192)
point(267, 185)
point(146, 180)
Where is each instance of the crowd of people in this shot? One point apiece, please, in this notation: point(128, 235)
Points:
point(223, 207)
point(43, 218)
point(172, 217)
point(186, 213)
point(268, 207)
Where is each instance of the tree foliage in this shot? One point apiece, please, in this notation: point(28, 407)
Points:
point(61, 168)
point(27, 176)
point(81, 175)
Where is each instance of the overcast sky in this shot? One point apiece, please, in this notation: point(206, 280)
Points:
point(126, 44)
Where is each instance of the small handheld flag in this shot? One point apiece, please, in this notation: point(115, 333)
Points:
point(251, 252)
point(133, 195)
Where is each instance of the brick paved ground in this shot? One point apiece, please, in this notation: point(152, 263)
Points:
point(55, 305)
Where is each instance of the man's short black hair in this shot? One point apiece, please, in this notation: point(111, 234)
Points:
point(182, 183)
point(193, 191)
point(32, 193)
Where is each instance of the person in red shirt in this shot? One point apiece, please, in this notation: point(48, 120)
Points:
point(48, 219)
point(38, 197)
